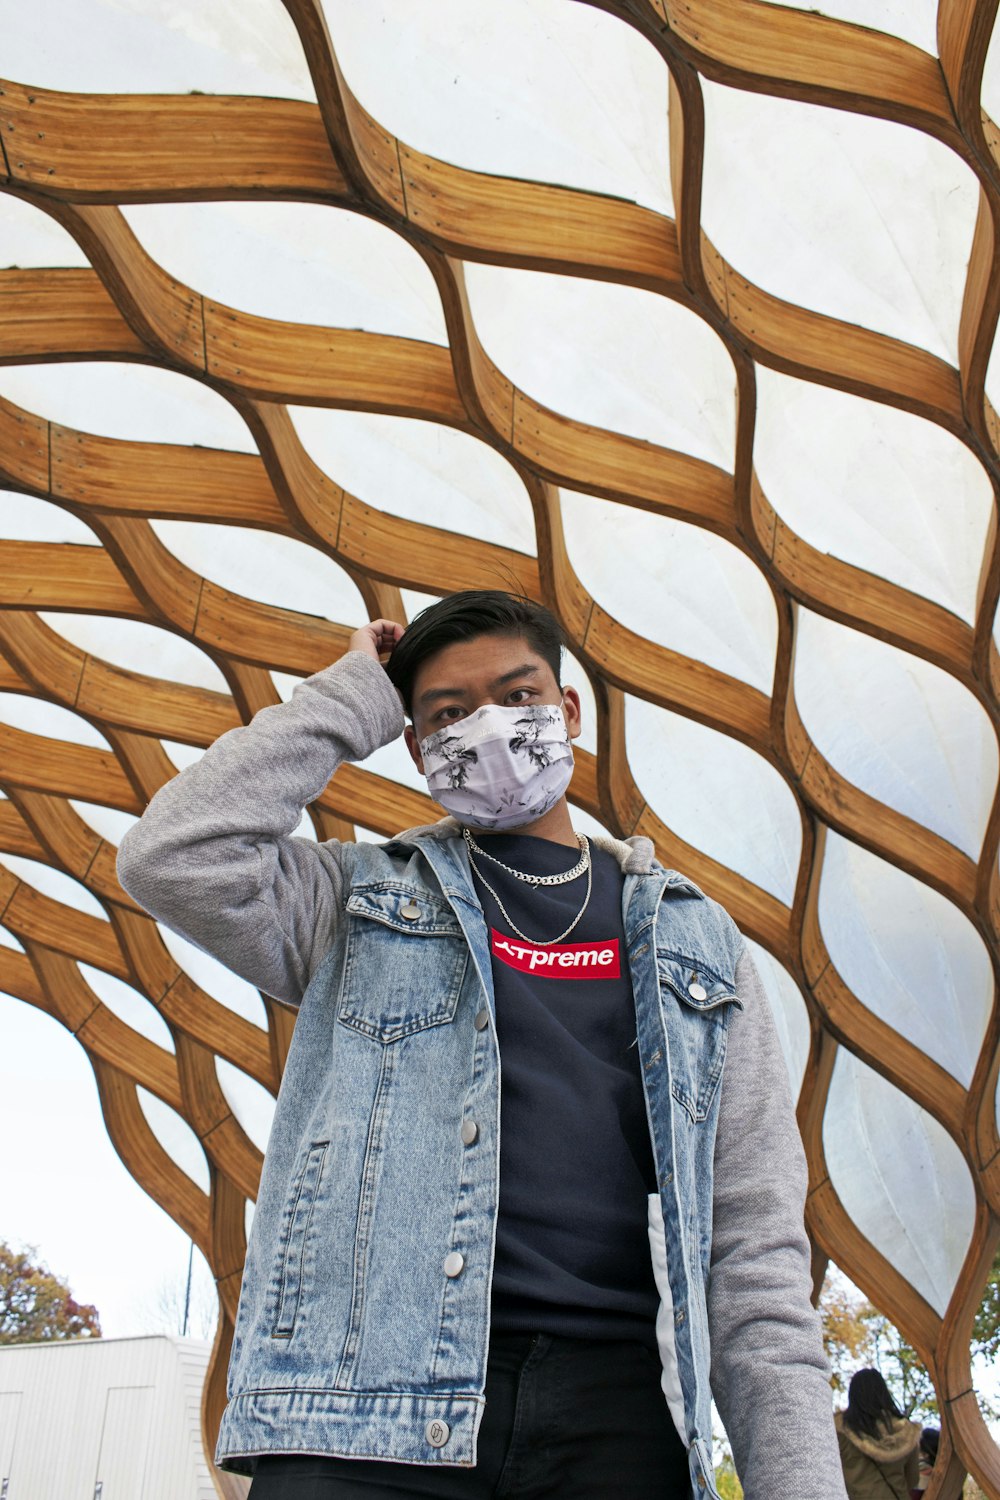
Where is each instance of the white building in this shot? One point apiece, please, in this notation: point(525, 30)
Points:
point(103, 1419)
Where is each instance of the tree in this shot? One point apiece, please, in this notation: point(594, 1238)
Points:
point(162, 1311)
point(35, 1305)
point(856, 1334)
point(846, 1335)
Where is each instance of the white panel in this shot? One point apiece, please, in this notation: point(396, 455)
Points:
point(675, 584)
point(25, 519)
point(285, 684)
point(584, 822)
point(991, 76)
point(613, 356)
point(304, 828)
point(121, 1467)
point(299, 262)
point(8, 940)
point(913, 20)
point(877, 487)
point(138, 648)
point(156, 46)
point(111, 824)
point(10, 1405)
point(575, 675)
point(267, 567)
point(903, 730)
point(55, 884)
point(128, 1005)
point(788, 1007)
point(176, 1137)
point(523, 88)
point(252, 1104)
point(862, 219)
point(182, 755)
point(414, 602)
point(30, 238)
point(908, 954)
point(215, 979)
point(137, 403)
point(422, 471)
point(716, 794)
point(897, 1173)
point(51, 720)
point(393, 760)
point(993, 371)
point(248, 1213)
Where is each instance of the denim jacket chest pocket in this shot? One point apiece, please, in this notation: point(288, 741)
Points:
point(697, 1005)
point(405, 962)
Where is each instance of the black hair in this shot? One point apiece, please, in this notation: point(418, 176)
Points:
point(870, 1407)
point(930, 1438)
point(463, 617)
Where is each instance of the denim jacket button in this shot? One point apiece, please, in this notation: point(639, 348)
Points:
point(469, 1131)
point(697, 991)
point(437, 1432)
point(482, 1019)
point(453, 1263)
point(410, 910)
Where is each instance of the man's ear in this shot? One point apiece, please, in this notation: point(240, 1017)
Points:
point(413, 745)
point(572, 712)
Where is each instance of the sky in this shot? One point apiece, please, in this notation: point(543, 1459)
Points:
point(65, 1190)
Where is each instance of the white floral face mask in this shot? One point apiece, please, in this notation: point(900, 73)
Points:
point(500, 767)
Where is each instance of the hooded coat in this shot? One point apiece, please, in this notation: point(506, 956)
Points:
point(885, 1468)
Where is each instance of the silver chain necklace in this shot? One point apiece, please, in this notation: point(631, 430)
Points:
point(578, 869)
point(538, 942)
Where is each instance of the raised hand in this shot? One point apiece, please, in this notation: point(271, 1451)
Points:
point(377, 638)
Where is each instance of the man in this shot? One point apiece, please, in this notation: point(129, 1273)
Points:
point(534, 1134)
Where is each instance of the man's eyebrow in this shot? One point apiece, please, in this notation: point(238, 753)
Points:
point(526, 671)
point(433, 695)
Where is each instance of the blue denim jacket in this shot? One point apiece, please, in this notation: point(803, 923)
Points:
point(352, 1337)
point(349, 1328)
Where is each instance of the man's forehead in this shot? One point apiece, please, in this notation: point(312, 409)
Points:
point(481, 662)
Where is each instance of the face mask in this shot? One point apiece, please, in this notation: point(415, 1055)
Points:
point(500, 767)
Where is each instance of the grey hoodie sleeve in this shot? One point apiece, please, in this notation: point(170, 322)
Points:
point(770, 1377)
point(212, 856)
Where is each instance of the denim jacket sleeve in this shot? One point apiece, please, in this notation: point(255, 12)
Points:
point(213, 855)
point(770, 1377)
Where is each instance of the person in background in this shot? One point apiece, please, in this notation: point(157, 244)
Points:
point(926, 1458)
point(878, 1446)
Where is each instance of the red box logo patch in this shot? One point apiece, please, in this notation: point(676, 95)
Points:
point(559, 960)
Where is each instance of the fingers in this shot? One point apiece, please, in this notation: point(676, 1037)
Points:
point(377, 638)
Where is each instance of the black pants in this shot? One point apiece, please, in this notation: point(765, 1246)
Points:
point(566, 1419)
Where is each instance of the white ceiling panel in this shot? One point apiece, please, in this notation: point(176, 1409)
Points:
point(716, 794)
point(908, 954)
point(861, 219)
point(902, 730)
point(614, 356)
point(675, 584)
point(897, 1172)
point(298, 262)
point(523, 88)
point(879, 488)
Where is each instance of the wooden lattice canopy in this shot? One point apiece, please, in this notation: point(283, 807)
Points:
point(878, 919)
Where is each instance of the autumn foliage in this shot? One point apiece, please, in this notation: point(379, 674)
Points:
point(36, 1305)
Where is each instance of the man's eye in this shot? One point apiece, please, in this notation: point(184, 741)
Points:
point(519, 695)
point(447, 715)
